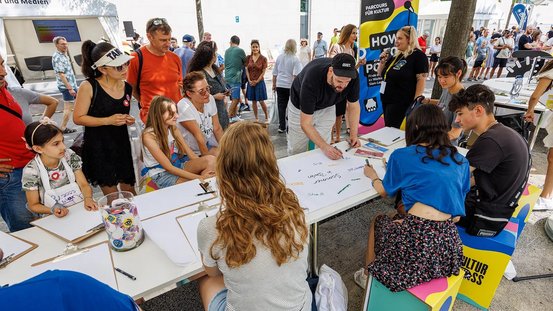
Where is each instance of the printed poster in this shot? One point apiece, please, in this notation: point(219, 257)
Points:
point(380, 20)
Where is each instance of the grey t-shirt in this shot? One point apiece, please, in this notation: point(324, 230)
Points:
point(445, 98)
point(260, 284)
point(25, 98)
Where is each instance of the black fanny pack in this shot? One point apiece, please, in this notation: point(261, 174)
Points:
point(486, 219)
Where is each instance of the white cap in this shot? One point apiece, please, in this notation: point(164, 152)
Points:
point(112, 58)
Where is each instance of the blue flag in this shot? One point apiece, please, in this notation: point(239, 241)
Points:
point(521, 15)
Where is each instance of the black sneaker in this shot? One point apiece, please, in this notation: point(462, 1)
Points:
point(68, 131)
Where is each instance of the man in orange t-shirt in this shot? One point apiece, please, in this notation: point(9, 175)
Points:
point(161, 69)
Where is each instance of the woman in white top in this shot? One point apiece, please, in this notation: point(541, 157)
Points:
point(254, 250)
point(287, 67)
point(304, 53)
point(198, 121)
point(435, 51)
point(167, 158)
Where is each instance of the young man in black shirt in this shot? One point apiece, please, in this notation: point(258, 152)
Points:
point(499, 160)
point(321, 86)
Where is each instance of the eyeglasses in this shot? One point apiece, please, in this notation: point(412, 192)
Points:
point(203, 91)
point(120, 68)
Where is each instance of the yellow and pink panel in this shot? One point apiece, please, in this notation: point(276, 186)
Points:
point(435, 295)
point(484, 262)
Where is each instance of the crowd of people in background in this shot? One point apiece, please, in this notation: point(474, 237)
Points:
point(186, 127)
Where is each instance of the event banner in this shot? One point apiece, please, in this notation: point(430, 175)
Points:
point(380, 20)
point(521, 15)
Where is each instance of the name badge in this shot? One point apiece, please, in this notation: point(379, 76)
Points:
point(382, 87)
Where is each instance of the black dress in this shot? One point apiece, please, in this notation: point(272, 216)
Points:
point(107, 156)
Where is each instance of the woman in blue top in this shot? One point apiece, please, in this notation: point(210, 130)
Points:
point(420, 243)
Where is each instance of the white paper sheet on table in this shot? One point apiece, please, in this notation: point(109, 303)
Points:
point(171, 198)
point(319, 182)
point(74, 225)
point(387, 136)
point(189, 225)
point(95, 262)
point(166, 233)
point(12, 245)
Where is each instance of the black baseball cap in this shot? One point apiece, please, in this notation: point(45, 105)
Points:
point(343, 65)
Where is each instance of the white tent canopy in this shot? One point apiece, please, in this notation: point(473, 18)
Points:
point(94, 18)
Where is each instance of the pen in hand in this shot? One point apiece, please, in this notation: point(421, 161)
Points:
point(341, 155)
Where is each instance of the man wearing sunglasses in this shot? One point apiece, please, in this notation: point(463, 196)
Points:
point(155, 70)
point(321, 86)
point(499, 161)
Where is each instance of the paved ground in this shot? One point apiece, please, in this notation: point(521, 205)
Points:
point(342, 242)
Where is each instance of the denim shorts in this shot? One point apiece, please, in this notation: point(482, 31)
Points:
point(66, 96)
point(234, 90)
point(166, 179)
point(219, 302)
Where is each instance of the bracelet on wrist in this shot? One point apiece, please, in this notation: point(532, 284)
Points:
point(376, 179)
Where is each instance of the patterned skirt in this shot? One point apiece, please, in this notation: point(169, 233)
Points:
point(415, 251)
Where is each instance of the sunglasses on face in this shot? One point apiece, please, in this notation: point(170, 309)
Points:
point(159, 21)
point(203, 91)
point(120, 68)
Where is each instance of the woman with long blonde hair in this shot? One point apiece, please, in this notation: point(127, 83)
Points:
point(403, 74)
point(168, 160)
point(287, 67)
point(255, 250)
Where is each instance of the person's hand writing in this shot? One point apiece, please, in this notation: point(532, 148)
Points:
point(5, 168)
point(369, 171)
point(354, 142)
point(90, 204)
point(60, 212)
point(332, 153)
point(117, 119)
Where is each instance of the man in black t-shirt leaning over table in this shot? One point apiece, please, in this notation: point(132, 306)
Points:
point(499, 161)
point(321, 86)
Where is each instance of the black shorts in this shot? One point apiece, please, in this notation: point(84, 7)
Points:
point(478, 63)
point(501, 62)
point(434, 58)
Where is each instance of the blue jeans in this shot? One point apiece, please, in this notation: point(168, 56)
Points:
point(13, 203)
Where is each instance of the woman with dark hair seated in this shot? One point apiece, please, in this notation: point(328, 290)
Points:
point(421, 243)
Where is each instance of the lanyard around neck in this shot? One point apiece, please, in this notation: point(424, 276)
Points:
point(391, 65)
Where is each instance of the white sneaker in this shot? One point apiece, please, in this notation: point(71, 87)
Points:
point(543, 204)
point(234, 119)
point(360, 278)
